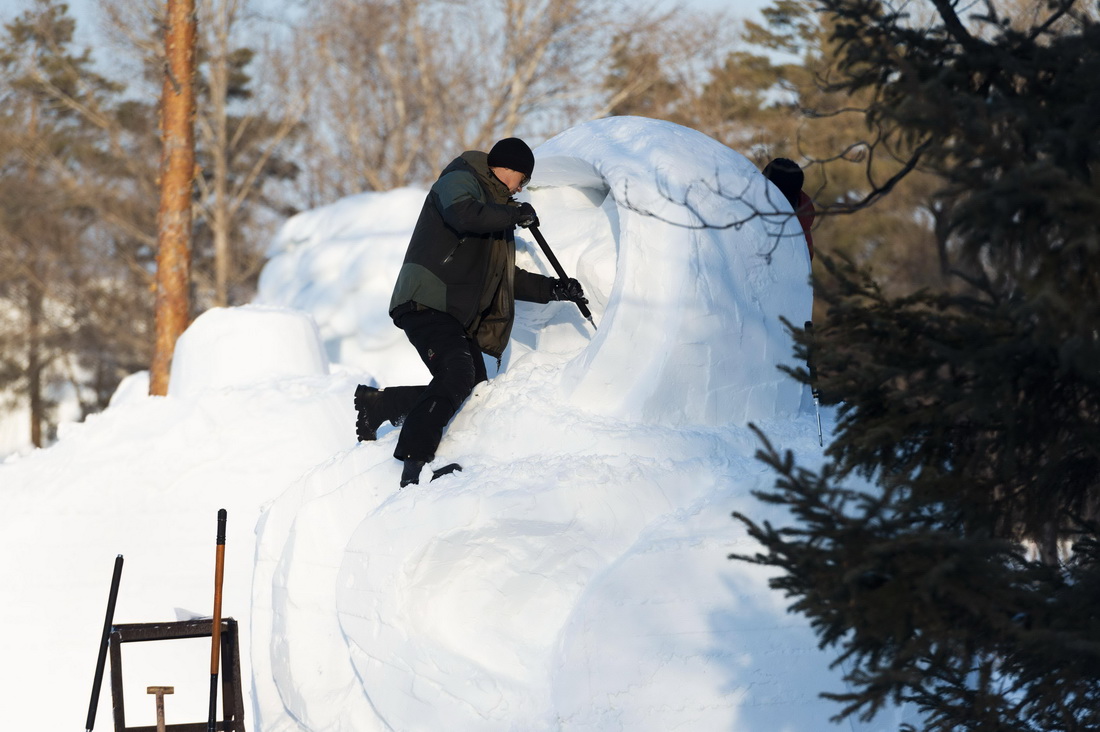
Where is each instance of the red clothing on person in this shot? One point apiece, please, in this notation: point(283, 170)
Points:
point(805, 214)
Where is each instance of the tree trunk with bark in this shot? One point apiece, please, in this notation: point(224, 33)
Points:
point(177, 176)
point(35, 364)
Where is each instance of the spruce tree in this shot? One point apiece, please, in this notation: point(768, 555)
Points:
point(948, 548)
point(62, 282)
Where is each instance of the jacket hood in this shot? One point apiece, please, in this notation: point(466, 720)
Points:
point(477, 162)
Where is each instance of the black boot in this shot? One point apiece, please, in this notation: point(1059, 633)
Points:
point(411, 472)
point(368, 404)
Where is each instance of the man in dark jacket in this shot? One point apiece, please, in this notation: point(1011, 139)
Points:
point(455, 296)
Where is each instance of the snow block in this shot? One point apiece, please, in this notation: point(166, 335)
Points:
point(228, 348)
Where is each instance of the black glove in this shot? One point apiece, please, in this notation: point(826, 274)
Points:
point(525, 215)
point(568, 289)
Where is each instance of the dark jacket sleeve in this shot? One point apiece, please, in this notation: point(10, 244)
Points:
point(531, 287)
point(458, 195)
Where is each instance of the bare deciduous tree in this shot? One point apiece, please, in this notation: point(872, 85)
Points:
point(660, 61)
point(61, 277)
point(241, 131)
point(400, 86)
point(240, 147)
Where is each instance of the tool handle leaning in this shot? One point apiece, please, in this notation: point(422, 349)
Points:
point(108, 622)
point(221, 526)
point(811, 366)
point(216, 621)
point(219, 570)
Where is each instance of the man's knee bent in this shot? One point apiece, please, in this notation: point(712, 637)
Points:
point(456, 377)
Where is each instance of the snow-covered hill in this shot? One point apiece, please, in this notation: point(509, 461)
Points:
point(572, 576)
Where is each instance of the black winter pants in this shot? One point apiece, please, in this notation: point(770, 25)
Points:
point(456, 365)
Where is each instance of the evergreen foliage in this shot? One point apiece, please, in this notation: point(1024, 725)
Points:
point(961, 624)
point(963, 578)
point(80, 153)
point(65, 282)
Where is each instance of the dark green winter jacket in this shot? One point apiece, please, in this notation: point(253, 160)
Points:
point(462, 256)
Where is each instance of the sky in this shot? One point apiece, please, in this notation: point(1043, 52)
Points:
point(572, 576)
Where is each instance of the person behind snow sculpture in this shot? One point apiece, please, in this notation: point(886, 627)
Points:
point(788, 178)
point(455, 296)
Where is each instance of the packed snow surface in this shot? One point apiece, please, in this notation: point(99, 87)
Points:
point(573, 575)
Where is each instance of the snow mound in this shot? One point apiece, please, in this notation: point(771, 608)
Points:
point(226, 348)
point(572, 576)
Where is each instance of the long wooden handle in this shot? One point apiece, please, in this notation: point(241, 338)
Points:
point(216, 627)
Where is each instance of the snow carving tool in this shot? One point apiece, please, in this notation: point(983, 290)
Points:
point(558, 268)
point(445, 470)
point(216, 626)
point(813, 382)
point(108, 622)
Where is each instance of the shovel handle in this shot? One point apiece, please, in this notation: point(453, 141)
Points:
point(104, 640)
point(216, 627)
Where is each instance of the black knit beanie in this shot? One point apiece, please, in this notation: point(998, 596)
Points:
point(512, 153)
point(787, 176)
